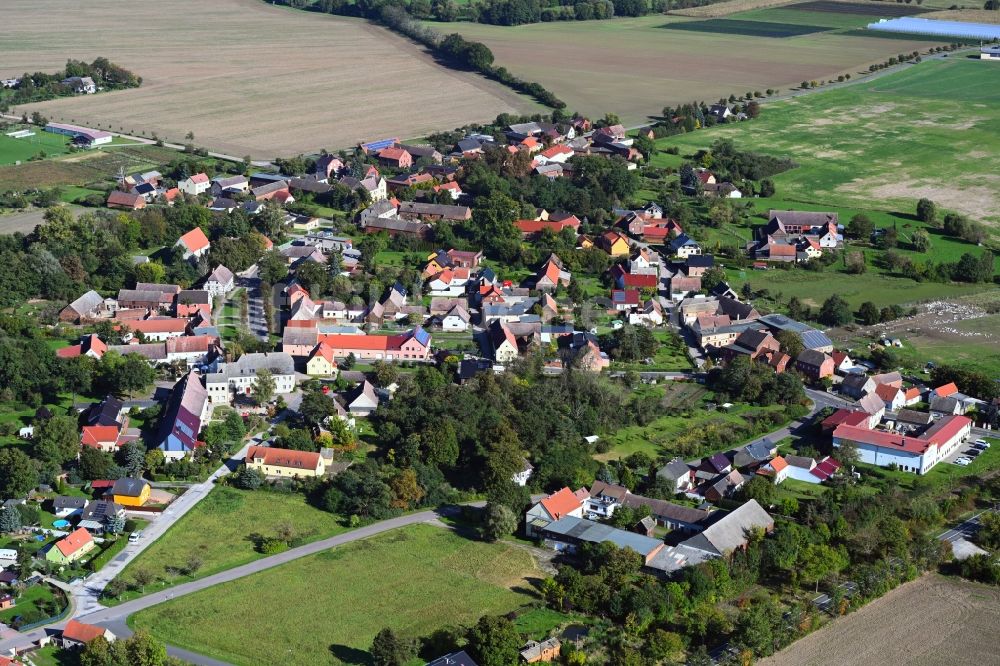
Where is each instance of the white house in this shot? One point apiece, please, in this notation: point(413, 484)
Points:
point(521, 478)
point(457, 319)
point(195, 185)
point(240, 376)
point(362, 400)
point(679, 474)
point(604, 499)
point(220, 282)
point(910, 454)
point(503, 343)
point(684, 246)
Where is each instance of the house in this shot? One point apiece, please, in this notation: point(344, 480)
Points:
point(397, 158)
point(422, 152)
point(322, 363)
point(944, 391)
point(240, 376)
point(194, 243)
point(648, 313)
point(456, 319)
point(751, 342)
point(909, 453)
point(776, 469)
point(776, 360)
point(81, 85)
point(453, 659)
point(187, 409)
point(410, 346)
point(552, 275)
point(678, 474)
point(362, 400)
point(604, 499)
point(556, 506)
point(568, 533)
point(614, 243)
point(71, 548)
point(130, 492)
point(430, 212)
point(64, 506)
point(872, 405)
point(194, 302)
point(7, 601)
point(857, 386)
point(534, 652)
point(220, 282)
point(624, 299)
point(893, 397)
point(156, 329)
point(99, 513)
point(229, 184)
point(194, 185)
point(724, 486)
point(684, 246)
point(814, 364)
point(125, 200)
point(89, 345)
point(85, 308)
point(754, 454)
point(285, 463)
point(721, 112)
point(107, 438)
point(503, 346)
point(76, 634)
point(723, 537)
point(946, 406)
point(889, 379)
point(530, 228)
point(521, 478)
point(697, 264)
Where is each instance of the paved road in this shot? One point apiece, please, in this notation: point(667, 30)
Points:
point(965, 530)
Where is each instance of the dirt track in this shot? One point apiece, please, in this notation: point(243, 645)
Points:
point(931, 621)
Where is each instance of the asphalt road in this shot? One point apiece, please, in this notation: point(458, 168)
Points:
point(964, 530)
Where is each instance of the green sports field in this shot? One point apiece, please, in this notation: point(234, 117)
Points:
point(327, 608)
point(14, 150)
point(932, 130)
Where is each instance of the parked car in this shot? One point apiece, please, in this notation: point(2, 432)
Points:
point(135, 536)
point(982, 444)
point(963, 461)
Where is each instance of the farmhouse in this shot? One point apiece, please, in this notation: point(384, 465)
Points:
point(362, 400)
point(286, 463)
point(558, 505)
point(194, 243)
point(322, 363)
point(220, 282)
point(195, 185)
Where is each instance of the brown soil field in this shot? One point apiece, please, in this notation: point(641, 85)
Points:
point(634, 66)
point(728, 7)
point(244, 76)
point(928, 622)
point(971, 15)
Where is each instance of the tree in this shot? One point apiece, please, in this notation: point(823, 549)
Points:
point(10, 519)
point(762, 489)
point(133, 458)
point(819, 561)
point(389, 650)
point(790, 343)
point(713, 277)
point(665, 646)
point(248, 479)
point(847, 453)
point(142, 578)
point(494, 641)
point(17, 473)
point(860, 227)
point(835, 312)
point(94, 464)
point(406, 490)
point(385, 373)
point(264, 387)
point(272, 267)
point(57, 441)
point(920, 240)
point(500, 522)
point(869, 314)
point(927, 211)
point(116, 524)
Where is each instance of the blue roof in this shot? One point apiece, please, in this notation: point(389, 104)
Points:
point(379, 145)
point(813, 339)
point(422, 336)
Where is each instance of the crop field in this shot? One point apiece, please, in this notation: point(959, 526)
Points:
point(327, 608)
point(931, 130)
point(636, 66)
point(247, 77)
point(234, 518)
point(932, 620)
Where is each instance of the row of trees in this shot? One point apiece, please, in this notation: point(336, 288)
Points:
point(41, 86)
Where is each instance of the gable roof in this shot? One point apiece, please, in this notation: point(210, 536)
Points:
point(560, 503)
point(194, 240)
point(80, 632)
point(74, 541)
point(946, 390)
point(129, 487)
point(276, 457)
point(729, 532)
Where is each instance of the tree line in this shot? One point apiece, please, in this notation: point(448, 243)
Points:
point(41, 86)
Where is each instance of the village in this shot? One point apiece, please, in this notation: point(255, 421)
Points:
point(327, 325)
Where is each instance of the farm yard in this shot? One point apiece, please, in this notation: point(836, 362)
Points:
point(932, 620)
point(636, 66)
point(427, 577)
point(942, 115)
point(247, 77)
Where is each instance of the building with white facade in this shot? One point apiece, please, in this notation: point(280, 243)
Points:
point(240, 376)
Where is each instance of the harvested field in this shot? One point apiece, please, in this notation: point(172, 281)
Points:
point(25, 222)
point(970, 15)
point(880, 9)
point(636, 66)
point(927, 622)
point(247, 77)
point(717, 9)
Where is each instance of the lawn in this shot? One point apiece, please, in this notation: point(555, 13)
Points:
point(220, 531)
point(21, 150)
point(84, 168)
point(944, 474)
point(671, 356)
point(413, 580)
point(52, 655)
point(928, 131)
point(32, 598)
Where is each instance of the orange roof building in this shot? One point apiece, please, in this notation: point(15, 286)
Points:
point(275, 462)
point(71, 547)
point(195, 243)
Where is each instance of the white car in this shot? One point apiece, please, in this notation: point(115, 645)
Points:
point(962, 461)
point(135, 536)
point(982, 443)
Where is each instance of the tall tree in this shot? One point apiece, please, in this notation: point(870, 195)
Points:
point(265, 387)
point(17, 473)
point(389, 650)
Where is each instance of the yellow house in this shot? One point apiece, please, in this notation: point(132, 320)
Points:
point(615, 244)
point(130, 492)
point(585, 242)
point(285, 462)
point(71, 547)
point(322, 362)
